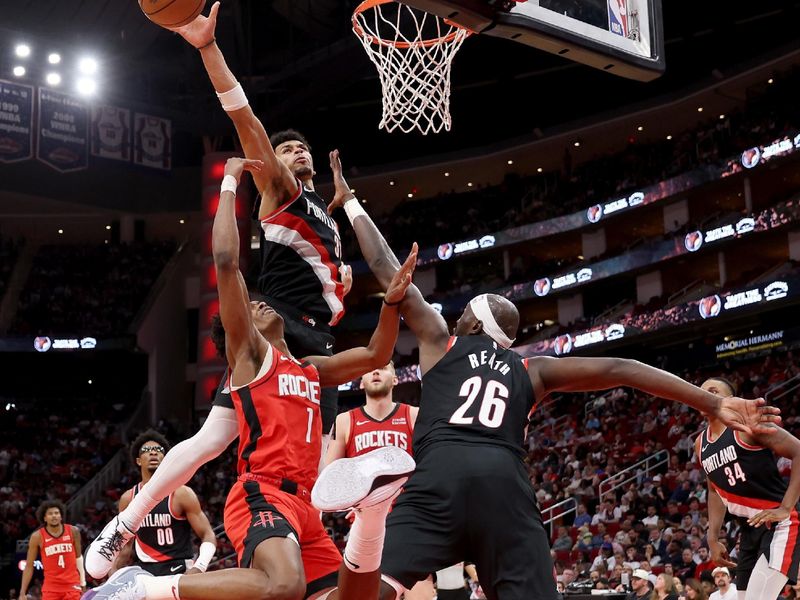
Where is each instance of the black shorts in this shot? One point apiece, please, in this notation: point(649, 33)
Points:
point(303, 340)
point(471, 503)
point(778, 545)
point(461, 594)
point(168, 567)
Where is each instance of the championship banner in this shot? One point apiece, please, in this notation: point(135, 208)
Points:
point(63, 131)
point(153, 145)
point(16, 122)
point(111, 132)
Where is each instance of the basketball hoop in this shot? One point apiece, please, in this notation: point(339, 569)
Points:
point(413, 51)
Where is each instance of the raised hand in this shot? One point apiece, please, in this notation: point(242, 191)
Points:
point(200, 32)
point(236, 166)
point(753, 417)
point(342, 191)
point(346, 272)
point(402, 279)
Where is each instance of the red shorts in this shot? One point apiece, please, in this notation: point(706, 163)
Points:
point(65, 594)
point(255, 512)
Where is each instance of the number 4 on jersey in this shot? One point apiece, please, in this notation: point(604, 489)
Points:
point(735, 474)
point(493, 405)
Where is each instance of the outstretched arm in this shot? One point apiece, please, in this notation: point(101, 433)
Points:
point(587, 374)
point(27, 573)
point(190, 506)
point(274, 181)
point(242, 339)
point(427, 324)
point(346, 366)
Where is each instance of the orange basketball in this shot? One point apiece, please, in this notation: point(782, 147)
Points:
point(172, 13)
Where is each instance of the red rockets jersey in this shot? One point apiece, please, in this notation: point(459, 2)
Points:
point(280, 429)
point(367, 434)
point(58, 560)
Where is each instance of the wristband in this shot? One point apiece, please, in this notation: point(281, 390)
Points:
point(207, 551)
point(354, 209)
point(229, 184)
point(233, 99)
point(398, 303)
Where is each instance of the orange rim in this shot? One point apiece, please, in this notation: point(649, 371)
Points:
point(379, 41)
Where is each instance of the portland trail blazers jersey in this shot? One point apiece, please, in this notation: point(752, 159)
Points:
point(367, 434)
point(478, 393)
point(746, 477)
point(280, 429)
point(301, 255)
point(59, 561)
point(163, 536)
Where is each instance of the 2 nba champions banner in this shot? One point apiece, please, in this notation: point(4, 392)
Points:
point(68, 130)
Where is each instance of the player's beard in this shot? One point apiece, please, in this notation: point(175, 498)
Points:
point(379, 390)
point(303, 172)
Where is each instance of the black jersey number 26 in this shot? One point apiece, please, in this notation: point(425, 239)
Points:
point(493, 405)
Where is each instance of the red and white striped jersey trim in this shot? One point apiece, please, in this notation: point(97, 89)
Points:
point(306, 250)
point(741, 506)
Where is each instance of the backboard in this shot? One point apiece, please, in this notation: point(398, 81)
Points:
point(622, 37)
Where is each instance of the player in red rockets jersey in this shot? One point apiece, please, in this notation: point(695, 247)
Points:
point(283, 549)
point(381, 422)
point(59, 546)
point(743, 478)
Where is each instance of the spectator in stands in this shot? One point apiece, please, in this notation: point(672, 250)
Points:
point(725, 589)
point(582, 517)
point(651, 556)
point(664, 588)
point(652, 516)
point(563, 541)
point(673, 516)
point(599, 538)
point(640, 584)
point(682, 493)
point(584, 543)
point(694, 590)
point(631, 558)
point(605, 558)
point(704, 562)
point(568, 575)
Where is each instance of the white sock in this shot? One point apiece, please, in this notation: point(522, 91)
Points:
point(765, 582)
point(160, 588)
point(138, 509)
point(365, 542)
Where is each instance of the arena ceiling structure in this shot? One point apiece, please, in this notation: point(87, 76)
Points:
point(304, 68)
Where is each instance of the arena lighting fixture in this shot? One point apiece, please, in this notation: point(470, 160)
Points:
point(669, 137)
point(352, 190)
point(60, 231)
point(539, 170)
point(447, 174)
point(86, 86)
point(391, 183)
point(19, 71)
point(770, 80)
point(410, 195)
point(469, 184)
point(511, 162)
point(53, 79)
point(699, 109)
point(577, 144)
point(108, 227)
point(182, 221)
point(88, 65)
point(54, 58)
point(640, 128)
point(90, 382)
point(722, 117)
point(22, 50)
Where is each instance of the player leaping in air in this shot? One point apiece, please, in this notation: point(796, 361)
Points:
point(283, 549)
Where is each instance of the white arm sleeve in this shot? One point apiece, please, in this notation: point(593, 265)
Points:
point(182, 462)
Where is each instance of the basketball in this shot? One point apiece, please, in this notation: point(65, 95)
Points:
point(172, 13)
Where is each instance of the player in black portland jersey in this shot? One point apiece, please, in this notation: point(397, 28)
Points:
point(470, 497)
point(743, 478)
point(163, 543)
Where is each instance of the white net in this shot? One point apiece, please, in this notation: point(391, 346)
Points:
point(413, 52)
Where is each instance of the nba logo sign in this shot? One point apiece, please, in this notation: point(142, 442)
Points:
point(618, 17)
